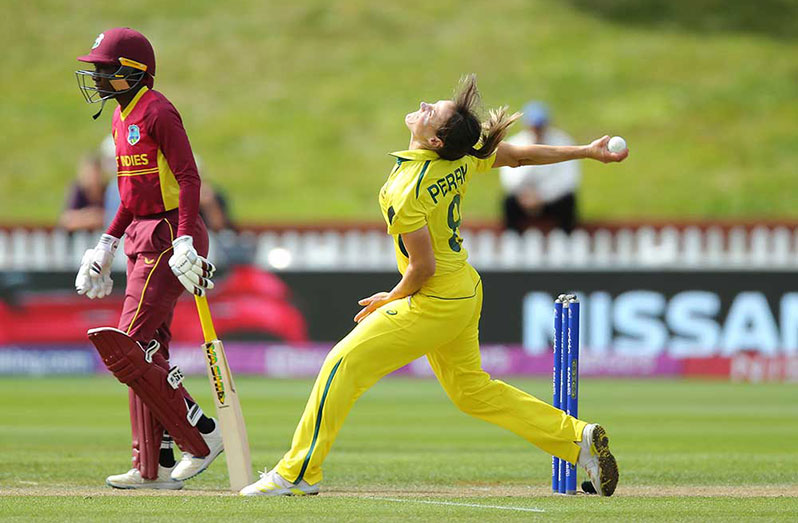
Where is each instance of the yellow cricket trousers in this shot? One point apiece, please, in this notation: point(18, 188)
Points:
point(447, 331)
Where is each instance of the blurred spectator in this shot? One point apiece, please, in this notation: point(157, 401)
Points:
point(540, 195)
point(213, 204)
point(107, 152)
point(84, 205)
point(213, 208)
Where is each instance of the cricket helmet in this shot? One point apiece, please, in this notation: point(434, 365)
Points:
point(126, 48)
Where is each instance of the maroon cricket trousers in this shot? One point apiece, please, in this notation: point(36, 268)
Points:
point(151, 294)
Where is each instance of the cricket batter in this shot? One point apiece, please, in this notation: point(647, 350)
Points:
point(166, 244)
point(434, 310)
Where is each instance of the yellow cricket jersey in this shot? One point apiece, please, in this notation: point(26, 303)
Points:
point(424, 189)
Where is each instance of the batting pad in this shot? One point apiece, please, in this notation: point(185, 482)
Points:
point(147, 434)
point(127, 360)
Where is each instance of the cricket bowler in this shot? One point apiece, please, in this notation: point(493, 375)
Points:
point(434, 310)
point(166, 244)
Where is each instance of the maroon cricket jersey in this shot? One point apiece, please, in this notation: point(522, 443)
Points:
point(156, 172)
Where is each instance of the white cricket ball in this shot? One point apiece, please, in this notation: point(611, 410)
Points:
point(616, 144)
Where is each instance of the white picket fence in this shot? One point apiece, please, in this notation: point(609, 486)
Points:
point(668, 248)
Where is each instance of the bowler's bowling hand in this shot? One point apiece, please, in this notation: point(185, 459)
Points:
point(371, 304)
point(191, 269)
point(598, 150)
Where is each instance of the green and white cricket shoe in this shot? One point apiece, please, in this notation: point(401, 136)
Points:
point(597, 460)
point(132, 480)
point(273, 484)
point(190, 465)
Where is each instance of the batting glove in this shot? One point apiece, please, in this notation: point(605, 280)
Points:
point(94, 275)
point(191, 269)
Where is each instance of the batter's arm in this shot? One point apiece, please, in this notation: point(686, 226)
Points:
point(121, 220)
point(173, 141)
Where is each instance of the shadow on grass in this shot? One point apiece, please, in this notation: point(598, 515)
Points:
point(773, 18)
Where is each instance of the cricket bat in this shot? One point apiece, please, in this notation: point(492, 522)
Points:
point(228, 408)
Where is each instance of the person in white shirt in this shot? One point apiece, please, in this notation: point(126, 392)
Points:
point(540, 195)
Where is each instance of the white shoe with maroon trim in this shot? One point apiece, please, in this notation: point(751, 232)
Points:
point(132, 480)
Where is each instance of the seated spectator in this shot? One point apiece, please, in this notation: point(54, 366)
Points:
point(541, 196)
point(84, 205)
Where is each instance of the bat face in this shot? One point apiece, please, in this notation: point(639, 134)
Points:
point(229, 415)
point(228, 408)
point(215, 372)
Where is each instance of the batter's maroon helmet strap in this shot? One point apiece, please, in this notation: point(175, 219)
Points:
point(126, 360)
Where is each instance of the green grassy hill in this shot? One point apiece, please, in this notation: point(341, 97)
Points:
point(292, 106)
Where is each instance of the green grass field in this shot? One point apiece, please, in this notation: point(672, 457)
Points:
point(688, 450)
point(293, 105)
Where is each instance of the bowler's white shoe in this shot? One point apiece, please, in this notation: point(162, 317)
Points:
point(273, 484)
point(189, 465)
point(597, 460)
point(132, 480)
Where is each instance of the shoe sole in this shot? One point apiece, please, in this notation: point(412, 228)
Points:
point(145, 486)
point(281, 494)
point(291, 494)
point(208, 460)
point(608, 467)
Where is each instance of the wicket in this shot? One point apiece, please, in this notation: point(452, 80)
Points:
point(565, 380)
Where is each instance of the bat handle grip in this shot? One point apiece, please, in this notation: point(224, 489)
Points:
point(205, 318)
